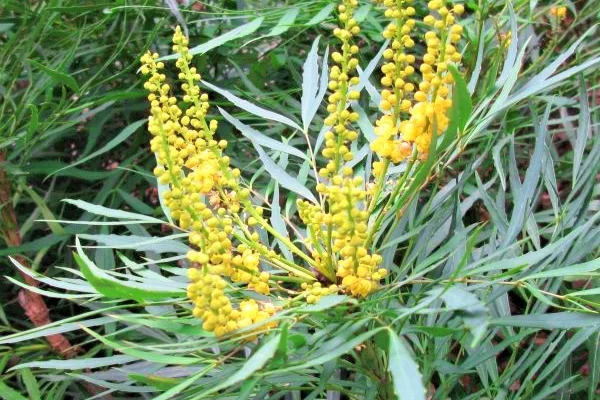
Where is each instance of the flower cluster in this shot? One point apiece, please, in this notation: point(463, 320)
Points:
point(208, 198)
point(505, 39)
point(412, 114)
point(559, 12)
point(314, 291)
point(338, 228)
point(192, 163)
point(429, 114)
point(398, 71)
point(341, 82)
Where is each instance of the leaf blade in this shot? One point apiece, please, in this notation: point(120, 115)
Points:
point(408, 384)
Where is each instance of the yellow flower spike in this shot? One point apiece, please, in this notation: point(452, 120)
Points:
point(432, 101)
point(397, 72)
point(337, 140)
point(193, 165)
point(559, 12)
point(337, 231)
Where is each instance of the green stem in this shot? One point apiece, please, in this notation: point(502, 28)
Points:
point(392, 197)
point(379, 187)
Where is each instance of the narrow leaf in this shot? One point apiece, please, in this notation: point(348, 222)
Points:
point(160, 358)
point(262, 140)
point(81, 363)
point(112, 213)
point(57, 76)
point(284, 179)
point(322, 15)
point(408, 383)
point(112, 287)
point(256, 362)
point(239, 32)
point(558, 320)
point(310, 77)
point(251, 108)
point(120, 138)
point(285, 22)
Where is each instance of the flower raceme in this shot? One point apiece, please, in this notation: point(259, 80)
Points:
point(192, 163)
point(559, 12)
point(209, 199)
point(411, 114)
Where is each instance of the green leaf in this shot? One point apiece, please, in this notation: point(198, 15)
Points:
point(339, 350)
point(544, 79)
point(135, 203)
point(278, 224)
point(33, 122)
point(121, 137)
point(408, 382)
point(594, 361)
point(491, 263)
point(33, 245)
point(285, 22)
point(159, 382)
point(31, 384)
point(524, 196)
point(258, 138)
point(115, 288)
point(54, 226)
point(327, 303)
point(559, 320)
point(112, 213)
point(322, 15)
point(44, 166)
point(583, 130)
point(239, 32)
point(80, 363)
point(361, 12)
point(54, 328)
point(77, 285)
point(368, 71)
point(177, 389)
point(313, 91)
point(57, 76)
point(581, 270)
point(160, 244)
point(586, 292)
point(168, 325)
point(461, 110)
point(461, 97)
point(145, 355)
point(162, 189)
point(566, 349)
point(511, 60)
point(48, 293)
point(256, 362)
point(9, 393)
point(284, 179)
point(251, 108)
point(474, 313)
point(366, 127)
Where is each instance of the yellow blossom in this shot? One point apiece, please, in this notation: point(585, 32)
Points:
point(338, 230)
point(194, 166)
point(208, 199)
point(341, 83)
point(559, 12)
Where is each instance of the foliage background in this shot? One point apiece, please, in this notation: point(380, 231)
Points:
point(520, 200)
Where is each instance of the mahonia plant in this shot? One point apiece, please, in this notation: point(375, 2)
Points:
point(209, 199)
